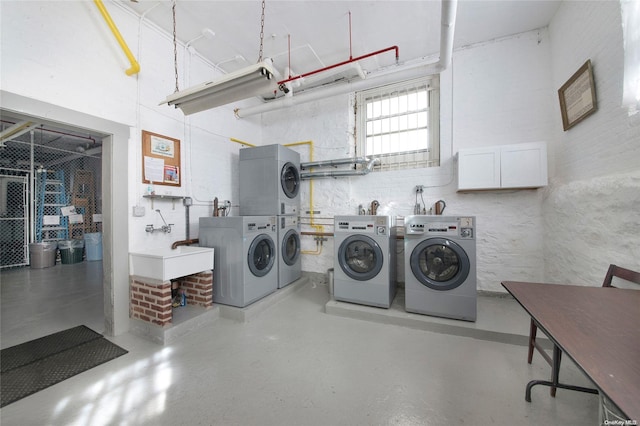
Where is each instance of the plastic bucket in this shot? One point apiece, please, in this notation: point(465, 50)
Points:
point(93, 246)
point(71, 251)
point(43, 255)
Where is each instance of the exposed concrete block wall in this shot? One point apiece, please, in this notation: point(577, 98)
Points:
point(591, 210)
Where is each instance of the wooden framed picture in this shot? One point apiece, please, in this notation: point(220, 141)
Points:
point(578, 97)
point(160, 159)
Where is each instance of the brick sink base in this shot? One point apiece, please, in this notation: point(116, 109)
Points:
point(150, 301)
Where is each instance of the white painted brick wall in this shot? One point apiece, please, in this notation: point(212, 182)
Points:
point(492, 104)
point(590, 224)
point(63, 53)
point(503, 91)
point(606, 142)
point(591, 210)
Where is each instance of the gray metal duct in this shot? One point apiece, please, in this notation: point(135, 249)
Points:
point(341, 173)
point(332, 163)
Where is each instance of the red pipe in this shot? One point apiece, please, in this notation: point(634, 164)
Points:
point(343, 63)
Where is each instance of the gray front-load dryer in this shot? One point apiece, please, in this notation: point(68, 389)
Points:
point(245, 257)
point(269, 181)
point(440, 266)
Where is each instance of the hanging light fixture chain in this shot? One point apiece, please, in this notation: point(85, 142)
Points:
point(175, 44)
point(261, 32)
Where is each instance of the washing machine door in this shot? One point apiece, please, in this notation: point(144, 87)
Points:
point(440, 264)
point(290, 248)
point(262, 255)
point(360, 257)
point(290, 180)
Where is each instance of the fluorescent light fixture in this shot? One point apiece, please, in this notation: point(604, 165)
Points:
point(242, 84)
point(16, 130)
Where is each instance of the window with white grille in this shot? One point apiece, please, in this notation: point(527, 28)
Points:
point(398, 124)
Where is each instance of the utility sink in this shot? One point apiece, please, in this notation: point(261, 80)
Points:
point(165, 264)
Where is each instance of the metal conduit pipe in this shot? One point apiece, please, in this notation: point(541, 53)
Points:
point(340, 173)
point(338, 162)
point(135, 66)
point(187, 226)
point(317, 234)
point(186, 242)
point(392, 75)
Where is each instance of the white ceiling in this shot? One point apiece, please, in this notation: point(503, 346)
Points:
point(318, 30)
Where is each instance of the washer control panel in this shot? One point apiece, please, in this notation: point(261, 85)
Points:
point(264, 224)
point(370, 225)
point(450, 226)
point(362, 227)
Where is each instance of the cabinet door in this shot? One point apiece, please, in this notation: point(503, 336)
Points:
point(479, 168)
point(523, 165)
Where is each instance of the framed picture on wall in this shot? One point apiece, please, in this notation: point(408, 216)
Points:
point(578, 97)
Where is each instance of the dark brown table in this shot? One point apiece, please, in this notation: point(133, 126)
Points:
point(597, 327)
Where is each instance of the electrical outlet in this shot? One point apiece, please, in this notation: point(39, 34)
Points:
point(138, 211)
point(419, 189)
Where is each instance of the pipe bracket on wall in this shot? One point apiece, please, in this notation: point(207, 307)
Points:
point(135, 66)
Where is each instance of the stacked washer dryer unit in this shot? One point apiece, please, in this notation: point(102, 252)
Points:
point(245, 257)
point(440, 266)
point(270, 185)
point(365, 260)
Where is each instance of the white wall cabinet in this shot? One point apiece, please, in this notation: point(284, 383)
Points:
point(502, 167)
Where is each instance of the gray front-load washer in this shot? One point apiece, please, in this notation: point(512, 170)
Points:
point(440, 266)
point(245, 257)
point(365, 260)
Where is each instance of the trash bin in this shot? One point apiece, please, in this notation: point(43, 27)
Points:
point(71, 251)
point(93, 245)
point(43, 255)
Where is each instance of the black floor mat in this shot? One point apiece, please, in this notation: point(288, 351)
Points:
point(32, 366)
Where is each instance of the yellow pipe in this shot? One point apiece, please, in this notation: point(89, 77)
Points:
point(242, 142)
point(135, 66)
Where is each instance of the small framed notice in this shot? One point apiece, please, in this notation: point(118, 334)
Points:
point(578, 97)
point(160, 159)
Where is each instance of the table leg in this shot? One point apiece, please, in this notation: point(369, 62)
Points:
point(555, 369)
point(555, 375)
point(532, 338)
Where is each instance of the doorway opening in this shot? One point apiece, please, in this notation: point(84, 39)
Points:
point(88, 157)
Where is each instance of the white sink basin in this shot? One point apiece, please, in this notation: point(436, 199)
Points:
point(166, 264)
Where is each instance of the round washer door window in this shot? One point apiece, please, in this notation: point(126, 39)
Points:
point(290, 247)
point(262, 255)
point(290, 180)
point(360, 257)
point(440, 264)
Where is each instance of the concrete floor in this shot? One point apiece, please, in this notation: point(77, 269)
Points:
point(304, 360)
